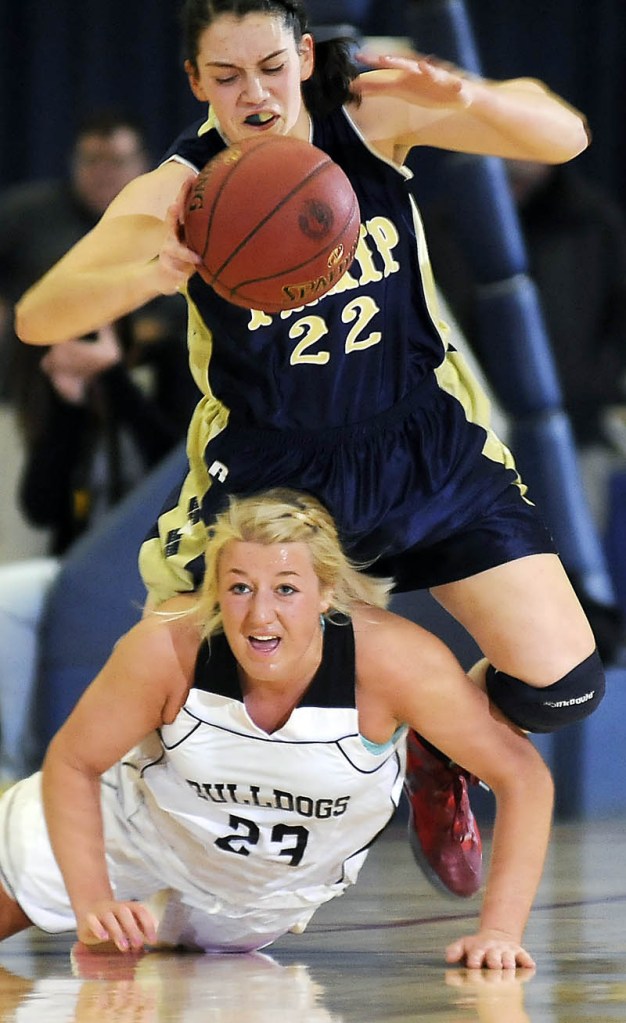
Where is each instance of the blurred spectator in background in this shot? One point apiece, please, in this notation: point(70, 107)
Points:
point(97, 413)
point(94, 414)
point(102, 412)
point(40, 220)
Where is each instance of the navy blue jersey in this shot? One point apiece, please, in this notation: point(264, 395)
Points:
point(349, 355)
point(356, 398)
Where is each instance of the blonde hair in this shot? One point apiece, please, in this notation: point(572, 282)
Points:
point(288, 516)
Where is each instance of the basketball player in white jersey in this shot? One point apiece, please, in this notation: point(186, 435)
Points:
point(228, 769)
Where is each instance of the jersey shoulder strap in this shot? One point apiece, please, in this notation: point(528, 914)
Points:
point(332, 686)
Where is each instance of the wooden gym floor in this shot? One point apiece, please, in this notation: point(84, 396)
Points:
point(372, 956)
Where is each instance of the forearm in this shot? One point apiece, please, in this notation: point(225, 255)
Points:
point(71, 801)
point(447, 108)
point(520, 843)
point(132, 255)
point(74, 304)
point(532, 121)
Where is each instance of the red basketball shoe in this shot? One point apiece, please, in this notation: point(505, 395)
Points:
point(443, 832)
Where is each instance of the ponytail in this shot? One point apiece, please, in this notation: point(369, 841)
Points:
point(335, 69)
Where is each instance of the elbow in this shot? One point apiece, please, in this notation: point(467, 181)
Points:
point(23, 327)
point(524, 772)
point(543, 782)
point(539, 787)
point(531, 775)
point(26, 324)
point(578, 140)
point(585, 136)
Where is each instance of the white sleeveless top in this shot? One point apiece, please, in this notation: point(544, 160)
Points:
point(257, 819)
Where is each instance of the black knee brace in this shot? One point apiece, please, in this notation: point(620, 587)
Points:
point(566, 701)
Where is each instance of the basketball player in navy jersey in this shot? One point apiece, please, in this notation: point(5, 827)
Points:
point(357, 398)
point(230, 766)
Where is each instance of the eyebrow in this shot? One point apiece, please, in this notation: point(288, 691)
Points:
point(226, 64)
point(242, 571)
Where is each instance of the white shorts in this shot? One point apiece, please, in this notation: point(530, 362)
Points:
point(30, 875)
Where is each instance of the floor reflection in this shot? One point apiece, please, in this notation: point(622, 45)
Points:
point(159, 987)
point(85, 986)
point(373, 956)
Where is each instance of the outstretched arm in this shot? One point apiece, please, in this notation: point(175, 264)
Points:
point(132, 255)
point(141, 686)
point(409, 672)
point(421, 101)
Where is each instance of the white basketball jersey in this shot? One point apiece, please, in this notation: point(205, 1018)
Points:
point(258, 819)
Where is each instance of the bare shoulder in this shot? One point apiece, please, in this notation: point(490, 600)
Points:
point(373, 625)
point(379, 121)
point(390, 646)
point(160, 652)
point(399, 665)
point(173, 630)
point(384, 117)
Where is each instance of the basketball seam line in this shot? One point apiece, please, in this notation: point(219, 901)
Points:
point(261, 223)
point(258, 280)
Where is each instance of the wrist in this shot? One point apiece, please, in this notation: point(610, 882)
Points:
point(483, 98)
point(162, 281)
point(84, 902)
point(505, 933)
point(496, 928)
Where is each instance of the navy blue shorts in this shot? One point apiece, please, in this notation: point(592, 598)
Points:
point(412, 491)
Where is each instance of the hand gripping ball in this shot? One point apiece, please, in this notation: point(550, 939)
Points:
point(275, 221)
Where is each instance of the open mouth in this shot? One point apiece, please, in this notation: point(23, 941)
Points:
point(260, 120)
point(264, 644)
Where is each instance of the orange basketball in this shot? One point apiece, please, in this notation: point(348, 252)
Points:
point(276, 222)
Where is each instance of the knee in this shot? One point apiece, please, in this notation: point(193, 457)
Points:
point(566, 701)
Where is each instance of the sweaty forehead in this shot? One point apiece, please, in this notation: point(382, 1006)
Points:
point(246, 558)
